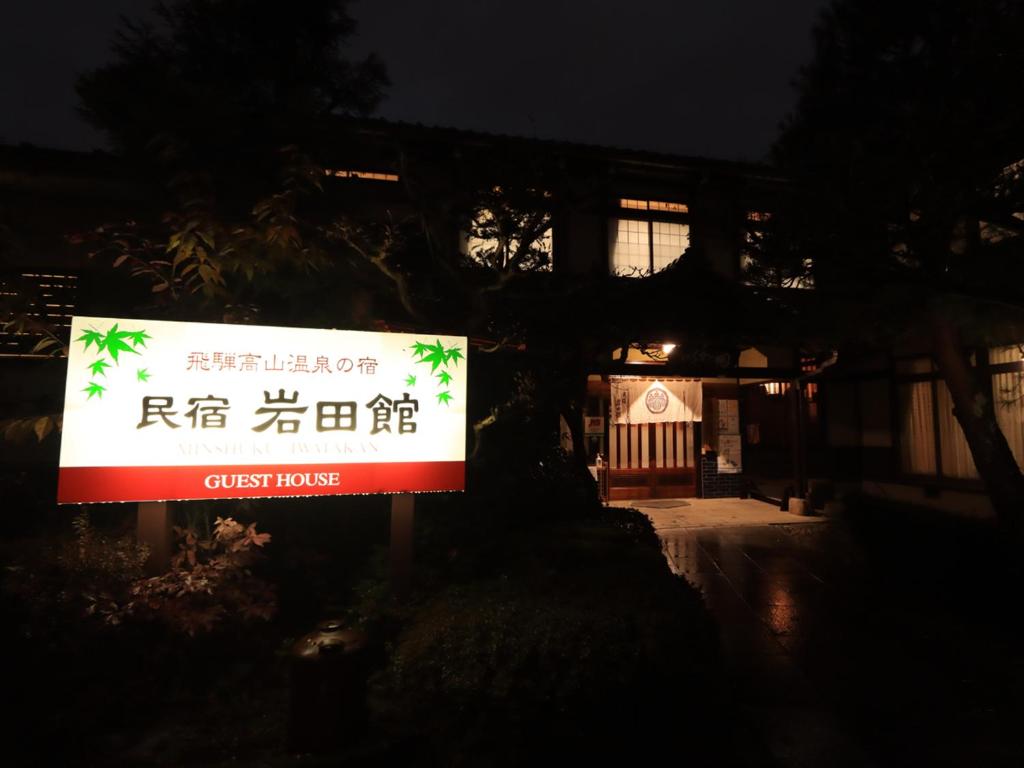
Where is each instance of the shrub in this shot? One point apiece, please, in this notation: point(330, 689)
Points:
point(94, 574)
point(577, 648)
point(209, 580)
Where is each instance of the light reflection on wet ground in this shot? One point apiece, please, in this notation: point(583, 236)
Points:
point(838, 665)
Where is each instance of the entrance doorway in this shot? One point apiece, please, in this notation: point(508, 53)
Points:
point(653, 461)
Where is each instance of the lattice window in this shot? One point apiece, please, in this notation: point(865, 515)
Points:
point(48, 297)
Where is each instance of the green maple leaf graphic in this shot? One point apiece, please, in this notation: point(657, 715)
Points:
point(444, 398)
point(142, 374)
point(410, 381)
point(95, 389)
point(444, 378)
point(434, 355)
point(138, 338)
point(114, 342)
point(419, 349)
point(98, 367)
point(454, 354)
point(91, 337)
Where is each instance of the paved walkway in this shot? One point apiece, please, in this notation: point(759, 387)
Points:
point(841, 661)
point(673, 514)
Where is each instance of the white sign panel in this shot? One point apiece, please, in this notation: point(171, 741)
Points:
point(158, 410)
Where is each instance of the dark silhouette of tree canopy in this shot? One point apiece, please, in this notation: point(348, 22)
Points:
point(224, 74)
point(907, 141)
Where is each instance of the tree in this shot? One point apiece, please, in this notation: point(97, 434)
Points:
point(210, 101)
point(224, 76)
point(226, 105)
point(907, 142)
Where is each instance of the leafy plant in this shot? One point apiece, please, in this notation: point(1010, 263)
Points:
point(18, 429)
point(87, 574)
point(210, 580)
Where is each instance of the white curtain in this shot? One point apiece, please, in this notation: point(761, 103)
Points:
point(1008, 390)
point(956, 455)
point(655, 401)
point(917, 428)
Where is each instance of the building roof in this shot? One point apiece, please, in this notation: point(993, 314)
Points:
point(391, 129)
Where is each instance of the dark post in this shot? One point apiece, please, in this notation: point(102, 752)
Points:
point(402, 515)
point(153, 528)
point(799, 440)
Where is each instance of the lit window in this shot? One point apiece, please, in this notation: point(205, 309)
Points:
point(46, 298)
point(918, 428)
point(652, 205)
point(489, 252)
point(346, 173)
point(638, 248)
point(652, 235)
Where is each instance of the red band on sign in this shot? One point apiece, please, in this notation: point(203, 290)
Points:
point(82, 485)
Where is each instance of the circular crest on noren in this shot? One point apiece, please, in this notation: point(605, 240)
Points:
point(656, 400)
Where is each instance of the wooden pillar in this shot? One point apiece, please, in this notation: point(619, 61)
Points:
point(799, 440)
point(403, 507)
point(153, 528)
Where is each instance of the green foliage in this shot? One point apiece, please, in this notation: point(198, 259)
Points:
point(19, 429)
point(906, 141)
point(210, 581)
point(86, 575)
point(198, 257)
point(222, 75)
point(142, 375)
point(555, 652)
point(94, 574)
point(94, 389)
point(907, 144)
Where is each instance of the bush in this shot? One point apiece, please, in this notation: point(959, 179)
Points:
point(577, 648)
point(95, 574)
point(210, 579)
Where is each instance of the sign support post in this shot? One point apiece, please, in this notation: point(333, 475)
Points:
point(153, 528)
point(402, 515)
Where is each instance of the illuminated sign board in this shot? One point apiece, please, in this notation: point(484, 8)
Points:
point(158, 410)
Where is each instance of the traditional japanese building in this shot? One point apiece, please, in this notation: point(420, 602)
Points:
point(663, 416)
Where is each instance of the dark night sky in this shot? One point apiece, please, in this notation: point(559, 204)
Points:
point(690, 77)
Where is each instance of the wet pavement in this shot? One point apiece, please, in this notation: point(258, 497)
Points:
point(840, 658)
point(669, 514)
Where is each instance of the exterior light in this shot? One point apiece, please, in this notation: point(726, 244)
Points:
point(667, 348)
